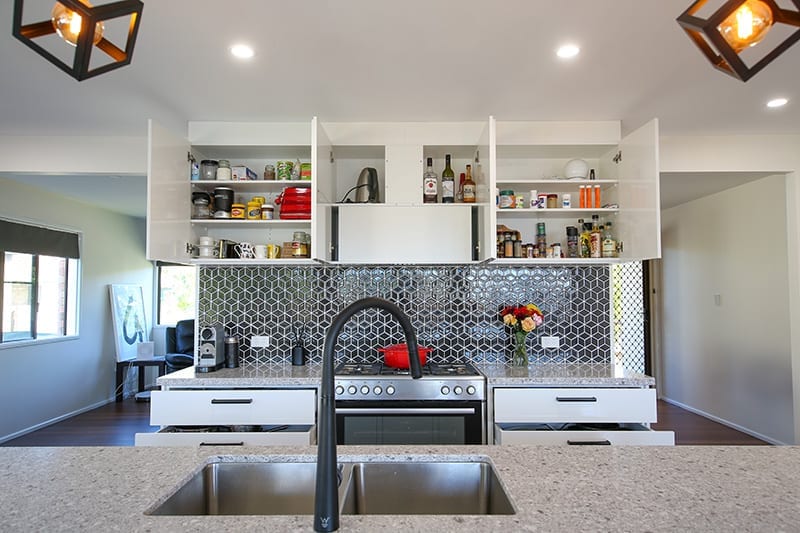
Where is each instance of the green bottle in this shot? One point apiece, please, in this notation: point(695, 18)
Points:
point(448, 182)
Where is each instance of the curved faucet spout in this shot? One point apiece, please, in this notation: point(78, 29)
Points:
point(326, 500)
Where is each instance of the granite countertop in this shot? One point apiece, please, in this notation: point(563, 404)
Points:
point(285, 375)
point(668, 489)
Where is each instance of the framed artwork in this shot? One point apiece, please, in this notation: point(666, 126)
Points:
point(130, 323)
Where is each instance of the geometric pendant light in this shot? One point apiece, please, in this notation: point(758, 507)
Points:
point(736, 26)
point(82, 25)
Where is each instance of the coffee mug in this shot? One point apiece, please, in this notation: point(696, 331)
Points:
point(273, 251)
point(206, 240)
point(245, 250)
point(260, 251)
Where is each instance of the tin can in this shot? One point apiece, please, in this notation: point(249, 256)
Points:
point(305, 171)
point(533, 198)
point(541, 200)
point(507, 199)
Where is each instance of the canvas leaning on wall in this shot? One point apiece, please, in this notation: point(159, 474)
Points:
point(130, 323)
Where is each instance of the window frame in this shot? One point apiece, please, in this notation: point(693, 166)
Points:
point(157, 285)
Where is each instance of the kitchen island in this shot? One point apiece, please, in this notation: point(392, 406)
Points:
point(708, 488)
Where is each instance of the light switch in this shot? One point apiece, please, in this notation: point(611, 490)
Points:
point(718, 300)
point(259, 341)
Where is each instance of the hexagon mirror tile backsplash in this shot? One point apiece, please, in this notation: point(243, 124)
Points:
point(454, 308)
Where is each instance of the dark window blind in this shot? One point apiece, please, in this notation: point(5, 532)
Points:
point(28, 239)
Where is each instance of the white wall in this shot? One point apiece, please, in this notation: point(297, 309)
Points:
point(731, 358)
point(41, 383)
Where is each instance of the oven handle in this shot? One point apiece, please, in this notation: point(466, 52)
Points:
point(406, 411)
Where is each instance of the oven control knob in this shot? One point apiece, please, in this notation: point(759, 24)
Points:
point(471, 390)
point(457, 390)
point(445, 390)
point(365, 389)
point(352, 389)
point(377, 391)
point(390, 390)
point(339, 390)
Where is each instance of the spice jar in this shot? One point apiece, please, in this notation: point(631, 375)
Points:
point(224, 170)
point(269, 172)
point(507, 199)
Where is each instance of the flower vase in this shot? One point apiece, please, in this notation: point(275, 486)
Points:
point(519, 356)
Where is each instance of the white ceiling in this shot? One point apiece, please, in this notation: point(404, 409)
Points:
point(362, 60)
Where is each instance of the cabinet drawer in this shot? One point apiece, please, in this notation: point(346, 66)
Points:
point(630, 434)
point(232, 407)
point(574, 405)
point(293, 436)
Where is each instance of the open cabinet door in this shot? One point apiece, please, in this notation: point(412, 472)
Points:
point(639, 196)
point(323, 192)
point(169, 200)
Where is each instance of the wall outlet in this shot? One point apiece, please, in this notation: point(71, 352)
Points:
point(551, 342)
point(259, 341)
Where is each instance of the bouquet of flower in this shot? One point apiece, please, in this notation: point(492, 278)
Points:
point(521, 319)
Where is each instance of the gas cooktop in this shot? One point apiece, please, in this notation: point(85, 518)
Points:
point(376, 381)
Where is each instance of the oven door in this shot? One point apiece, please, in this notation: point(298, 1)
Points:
point(409, 422)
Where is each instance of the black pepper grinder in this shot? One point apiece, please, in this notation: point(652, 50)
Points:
point(299, 349)
point(232, 352)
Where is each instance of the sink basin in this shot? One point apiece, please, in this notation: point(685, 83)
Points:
point(245, 488)
point(286, 488)
point(440, 488)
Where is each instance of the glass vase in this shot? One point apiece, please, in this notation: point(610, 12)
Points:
point(519, 355)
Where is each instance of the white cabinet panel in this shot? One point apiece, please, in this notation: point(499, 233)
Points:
point(305, 437)
point(633, 434)
point(574, 405)
point(232, 407)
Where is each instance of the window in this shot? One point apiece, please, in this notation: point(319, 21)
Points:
point(176, 292)
point(39, 269)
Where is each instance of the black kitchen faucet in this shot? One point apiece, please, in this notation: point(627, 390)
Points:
point(326, 499)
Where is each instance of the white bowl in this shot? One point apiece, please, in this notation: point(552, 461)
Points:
point(576, 169)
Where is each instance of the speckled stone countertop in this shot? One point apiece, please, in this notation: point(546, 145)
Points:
point(668, 489)
point(557, 375)
point(565, 375)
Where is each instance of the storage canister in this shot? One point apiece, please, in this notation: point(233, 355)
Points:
point(224, 170)
point(208, 169)
point(269, 172)
point(305, 171)
point(284, 170)
point(223, 200)
point(552, 201)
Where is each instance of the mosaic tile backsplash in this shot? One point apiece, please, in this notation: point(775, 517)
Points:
point(454, 309)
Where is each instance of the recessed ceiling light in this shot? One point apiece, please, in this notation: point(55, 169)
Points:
point(242, 51)
point(567, 51)
point(777, 102)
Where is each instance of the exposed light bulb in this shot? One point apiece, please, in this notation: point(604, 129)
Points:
point(746, 26)
point(67, 24)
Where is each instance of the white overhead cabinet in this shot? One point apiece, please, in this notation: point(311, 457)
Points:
point(398, 227)
point(530, 158)
point(170, 225)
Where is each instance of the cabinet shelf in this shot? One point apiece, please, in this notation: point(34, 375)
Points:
point(552, 211)
point(250, 185)
point(398, 204)
point(239, 223)
point(570, 183)
point(558, 261)
point(251, 262)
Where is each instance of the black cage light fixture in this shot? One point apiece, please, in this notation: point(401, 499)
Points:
point(82, 26)
point(736, 26)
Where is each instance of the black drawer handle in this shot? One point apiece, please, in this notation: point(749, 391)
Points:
point(231, 401)
point(589, 442)
point(222, 443)
point(583, 399)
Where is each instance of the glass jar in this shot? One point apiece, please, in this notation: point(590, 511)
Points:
point(238, 211)
point(208, 169)
point(201, 207)
point(267, 212)
point(269, 172)
point(224, 170)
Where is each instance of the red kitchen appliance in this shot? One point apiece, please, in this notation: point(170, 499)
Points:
point(295, 203)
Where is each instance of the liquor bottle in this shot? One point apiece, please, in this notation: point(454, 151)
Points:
point(609, 244)
point(585, 245)
point(448, 182)
point(430, 184)
point(469, 187)
point(460, 189)
point(596, 238)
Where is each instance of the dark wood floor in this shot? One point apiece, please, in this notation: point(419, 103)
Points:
point(115, 424)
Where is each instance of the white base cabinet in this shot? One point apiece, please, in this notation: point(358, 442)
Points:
point(576, 416)
point(268, 417)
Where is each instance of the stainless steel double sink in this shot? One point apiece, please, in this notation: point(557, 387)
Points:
point(383, 487)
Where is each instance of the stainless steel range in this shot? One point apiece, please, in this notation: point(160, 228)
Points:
point(376, 404)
